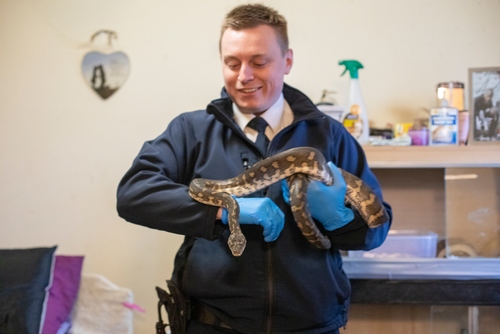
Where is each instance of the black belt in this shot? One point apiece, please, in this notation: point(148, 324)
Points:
point(202, 314)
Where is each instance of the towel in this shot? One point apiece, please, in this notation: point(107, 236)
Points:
point(99, 307)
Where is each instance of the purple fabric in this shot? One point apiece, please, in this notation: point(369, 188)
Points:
point(63, 293)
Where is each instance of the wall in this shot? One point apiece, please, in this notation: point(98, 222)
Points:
point(63, 149)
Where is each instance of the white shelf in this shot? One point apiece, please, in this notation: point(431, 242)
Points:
point(433, 156)
point(422, 268)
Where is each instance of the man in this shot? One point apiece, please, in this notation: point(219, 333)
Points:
point(280, 284)
point(486, 117)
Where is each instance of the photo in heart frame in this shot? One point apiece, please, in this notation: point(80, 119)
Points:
point(105, 73)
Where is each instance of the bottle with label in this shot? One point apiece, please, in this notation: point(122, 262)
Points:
point(353, 122)
point(355, 118)
point(443, 125)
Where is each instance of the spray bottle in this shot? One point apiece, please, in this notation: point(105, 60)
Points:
point(355, 118)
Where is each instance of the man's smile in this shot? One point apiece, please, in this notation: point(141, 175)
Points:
point(248, 90)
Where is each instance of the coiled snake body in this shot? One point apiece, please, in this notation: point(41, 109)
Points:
point(297, 165)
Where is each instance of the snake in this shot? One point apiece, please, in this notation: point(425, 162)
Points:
point(298, 166)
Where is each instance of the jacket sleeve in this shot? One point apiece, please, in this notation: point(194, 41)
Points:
point(349, 155)
point(154, 191)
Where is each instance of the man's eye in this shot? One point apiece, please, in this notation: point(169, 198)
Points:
point(259, 64)
point(232, 65)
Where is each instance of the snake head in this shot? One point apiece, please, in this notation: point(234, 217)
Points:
point(237, 243)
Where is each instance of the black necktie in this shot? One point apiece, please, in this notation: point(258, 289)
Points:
point(259, 124)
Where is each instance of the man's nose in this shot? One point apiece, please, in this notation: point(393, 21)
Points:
point(246, 74)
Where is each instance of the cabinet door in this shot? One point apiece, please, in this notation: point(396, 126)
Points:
point(473, 212)
point(417, 197)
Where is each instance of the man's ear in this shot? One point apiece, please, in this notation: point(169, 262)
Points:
point(289, 61)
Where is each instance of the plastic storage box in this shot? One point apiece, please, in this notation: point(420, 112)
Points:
point(403, 243)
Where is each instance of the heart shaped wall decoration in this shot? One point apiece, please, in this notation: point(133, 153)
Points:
point(105, 73)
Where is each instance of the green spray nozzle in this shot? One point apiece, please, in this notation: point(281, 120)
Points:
point(352, 66)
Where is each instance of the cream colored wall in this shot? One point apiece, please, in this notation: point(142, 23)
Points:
point(63, 149)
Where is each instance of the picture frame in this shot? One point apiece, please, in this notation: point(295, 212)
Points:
point(484, 99)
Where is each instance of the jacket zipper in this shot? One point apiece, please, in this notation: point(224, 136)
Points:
point(270, 273)
point(270, 290)
point(270, 270)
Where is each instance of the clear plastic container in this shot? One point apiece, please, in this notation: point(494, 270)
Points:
point(403, 244)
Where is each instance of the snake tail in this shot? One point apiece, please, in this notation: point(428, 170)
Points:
point(361, 197)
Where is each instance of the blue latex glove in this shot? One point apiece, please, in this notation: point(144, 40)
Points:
point(260, 211)
point(326, 203)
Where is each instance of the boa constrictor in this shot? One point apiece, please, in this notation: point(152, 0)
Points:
point(297, 165)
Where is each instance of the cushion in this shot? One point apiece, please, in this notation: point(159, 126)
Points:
point(25, 277)
point(63, 292)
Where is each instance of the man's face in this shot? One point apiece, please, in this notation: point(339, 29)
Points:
point(488, 94)
point(253, 67)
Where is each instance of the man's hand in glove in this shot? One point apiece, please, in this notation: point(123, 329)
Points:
point(326, 203)
point(260, 211)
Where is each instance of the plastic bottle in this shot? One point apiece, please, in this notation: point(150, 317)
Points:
point(443, 125)
point(355, 118)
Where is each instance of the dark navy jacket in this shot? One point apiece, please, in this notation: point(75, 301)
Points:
point(286, 286)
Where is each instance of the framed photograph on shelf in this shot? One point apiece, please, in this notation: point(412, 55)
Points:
point(484, 96)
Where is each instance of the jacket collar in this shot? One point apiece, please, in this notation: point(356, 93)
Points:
point(302, 106)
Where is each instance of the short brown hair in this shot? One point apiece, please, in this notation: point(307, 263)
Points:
point(252, 15)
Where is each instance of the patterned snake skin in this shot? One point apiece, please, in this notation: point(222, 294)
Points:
point(297, 165)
